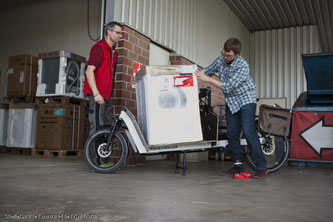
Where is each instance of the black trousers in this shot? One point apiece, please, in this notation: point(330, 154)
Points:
point(100, 116)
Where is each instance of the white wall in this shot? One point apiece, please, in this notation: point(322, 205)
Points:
point(195, 29)
point(46, 26)
point(276, 62)
point(158, 55)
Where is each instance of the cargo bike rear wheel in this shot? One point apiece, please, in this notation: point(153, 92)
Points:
point(275, 149)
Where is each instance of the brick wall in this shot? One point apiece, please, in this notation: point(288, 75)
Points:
point(179, 60)
point(133, 47)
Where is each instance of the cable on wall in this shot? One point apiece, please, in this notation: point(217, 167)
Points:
point(88, 18)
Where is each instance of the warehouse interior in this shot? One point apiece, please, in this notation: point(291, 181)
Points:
point(43, 174)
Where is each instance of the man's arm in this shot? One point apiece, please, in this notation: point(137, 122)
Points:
point(92, 83)
point(202, 75)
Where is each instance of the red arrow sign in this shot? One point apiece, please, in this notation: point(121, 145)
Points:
point(312, 136)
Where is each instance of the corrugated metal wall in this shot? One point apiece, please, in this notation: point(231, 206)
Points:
point(276, 61)
point(195, 29)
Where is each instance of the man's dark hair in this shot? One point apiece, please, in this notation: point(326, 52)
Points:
point(233, 44)
point(111, 25)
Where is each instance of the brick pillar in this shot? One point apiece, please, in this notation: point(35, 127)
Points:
point(132, 47)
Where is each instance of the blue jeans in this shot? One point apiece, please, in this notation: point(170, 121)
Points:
point(245, 118)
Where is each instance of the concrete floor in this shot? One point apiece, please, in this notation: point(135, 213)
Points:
point(67, 190)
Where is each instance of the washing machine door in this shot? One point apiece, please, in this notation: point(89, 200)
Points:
point(73, 77)
point(172, 99)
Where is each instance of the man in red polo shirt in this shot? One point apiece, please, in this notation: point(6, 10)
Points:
point(100, 75)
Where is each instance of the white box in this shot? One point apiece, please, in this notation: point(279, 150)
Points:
point(3, 126)
point(21, 130)
point(168, 104)
point(60, 73)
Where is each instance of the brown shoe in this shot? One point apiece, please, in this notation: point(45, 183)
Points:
point(260, 174)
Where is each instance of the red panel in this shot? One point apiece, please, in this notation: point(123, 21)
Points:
point(136, 67)
point(312, 136)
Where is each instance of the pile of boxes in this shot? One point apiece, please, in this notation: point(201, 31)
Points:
point(60, 100)
point(46, 108)
point(22, 113)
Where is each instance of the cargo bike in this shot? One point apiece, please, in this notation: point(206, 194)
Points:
point(107, 149)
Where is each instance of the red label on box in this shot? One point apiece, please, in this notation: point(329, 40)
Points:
point(183, 81)
point(312, 136)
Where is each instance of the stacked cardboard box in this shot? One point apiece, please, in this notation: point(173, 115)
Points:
point(60, 126)
point(22, 76)
point(60, 100)
point(20, 125)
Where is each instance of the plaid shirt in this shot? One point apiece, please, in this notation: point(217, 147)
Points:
point(237, 84)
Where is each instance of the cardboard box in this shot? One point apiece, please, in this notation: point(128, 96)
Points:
point(168, 104)
point(61, 53)
point(60, 126)
point(22, 76)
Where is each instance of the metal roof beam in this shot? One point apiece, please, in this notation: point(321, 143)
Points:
point(250, 26)
point(263, 18)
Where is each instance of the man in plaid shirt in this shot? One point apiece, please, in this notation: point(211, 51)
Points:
point(240, 96)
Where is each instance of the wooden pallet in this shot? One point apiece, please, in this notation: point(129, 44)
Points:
point(14, 150)
point(60, 99)
point(19, 99)
point(309, 163)
point(56, 153)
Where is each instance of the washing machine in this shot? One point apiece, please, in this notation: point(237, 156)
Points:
point(168, 104)
point(60, 73)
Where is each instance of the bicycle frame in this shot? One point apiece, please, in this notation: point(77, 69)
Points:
point(140, 145)
point(115, 128)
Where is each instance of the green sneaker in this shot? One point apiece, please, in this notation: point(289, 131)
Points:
point(105, 165)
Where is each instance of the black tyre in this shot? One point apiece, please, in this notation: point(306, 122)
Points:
point(275, 149)
point(98, 158)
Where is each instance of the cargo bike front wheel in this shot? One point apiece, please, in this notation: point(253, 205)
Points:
point(102, 158)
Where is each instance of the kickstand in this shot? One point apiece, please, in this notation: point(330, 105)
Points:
point(184, 164)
